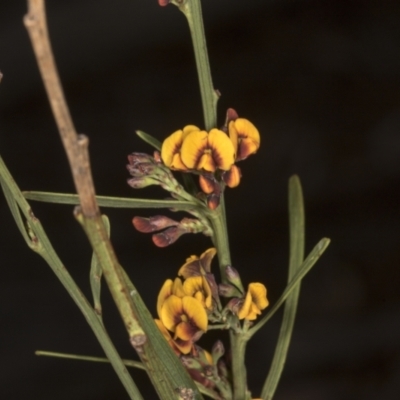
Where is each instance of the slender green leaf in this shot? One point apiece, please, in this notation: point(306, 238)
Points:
point(151, 140)
point(308, 263)
point(128, 363)
point(296, 256)
point(107, 201)
point(39, 242)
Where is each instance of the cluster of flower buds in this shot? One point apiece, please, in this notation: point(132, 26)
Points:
point(171, 230)
point(188, 305)
point(212, 155)
point(209, 369)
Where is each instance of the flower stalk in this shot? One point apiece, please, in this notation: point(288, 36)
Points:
point(209, 97)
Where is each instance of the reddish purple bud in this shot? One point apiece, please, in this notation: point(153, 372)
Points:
point(137, 158)
point(190, 362)
point(167, 237)
point(157, 157)
point(213, 201)
point(233, 277)
point(217, 351)
point(153, 224)
point(226, 290)
point(141, 182)
point(234, 305)
point(163, 3)
point(207, 183)
point(231, 115)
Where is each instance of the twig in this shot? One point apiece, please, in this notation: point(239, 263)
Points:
point(75, 145)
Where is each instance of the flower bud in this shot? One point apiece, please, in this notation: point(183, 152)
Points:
point(163, 3)
point(190, 362)
point(153, 224)
point(231, 115)
point(217, 351)
point(138, 158)
point(232, 177)
point(167, 237)
point(142, 182)
point(213, 201)
point(233, 277)
point(234, 305)
point(226, 290)
point(207, 183)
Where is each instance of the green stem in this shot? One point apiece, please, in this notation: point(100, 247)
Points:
point(220, 239)
point(238, 348)
point(209, 97)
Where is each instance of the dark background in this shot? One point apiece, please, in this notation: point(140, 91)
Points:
point(320, 79)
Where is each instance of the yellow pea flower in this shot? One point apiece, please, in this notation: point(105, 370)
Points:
point(179, 346)
point(171, 148)
point(196, 266)
point(245, 137)
point(168, 288)
point(254, 302)
point(186, 317)
point(198, 287)
point(208, 151)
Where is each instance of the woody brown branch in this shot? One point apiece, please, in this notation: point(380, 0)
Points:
point(76, 146)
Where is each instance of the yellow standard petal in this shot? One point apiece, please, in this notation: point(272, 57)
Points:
point(259, 295)
point(196, 266)
point(245, 137)
point(165, 292)
point(179, 346)
point(254, 302)
point(193, 148)
point(232, 177)
point(223, 152)
point(171, 312)
point(198, 287)
point(171, 146)
point(195, 312)
point(207, 151)
point(245, 309)
point(177, 288)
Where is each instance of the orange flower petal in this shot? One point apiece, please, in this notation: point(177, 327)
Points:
point(259, 295)
point(245, 138)
point(195, 266)
point(232, 177)
point(185, 331)
point(177, 288)
point(189, 128)
point(179, 346)
point(171, 146)
point(245, 309)
point(223, 151)
point(195, 312)
point(171, 312)
point(177, 163)
point(165, 292)
point(207, 184)
point(206, 162)
point(193, 148)
point(198, 287)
